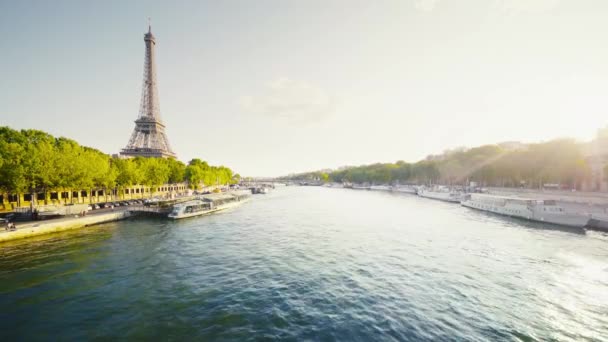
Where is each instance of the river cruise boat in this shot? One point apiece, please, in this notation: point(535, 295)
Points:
point(405, 188)
point(259, 190)
point(442, 194)
point(208, 204)
point(361, 186)
point(380, 187)
point(530, 209)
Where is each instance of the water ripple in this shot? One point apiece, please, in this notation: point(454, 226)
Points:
point(311, 264)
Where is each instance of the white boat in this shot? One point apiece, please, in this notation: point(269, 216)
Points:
point(530, 209)
point(441, 193)
point(380, 187)
point(208, 204)
point(259, 190)
point(404, 188)
point(361, 186)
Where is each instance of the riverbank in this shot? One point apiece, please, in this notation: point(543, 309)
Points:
point(36, 228)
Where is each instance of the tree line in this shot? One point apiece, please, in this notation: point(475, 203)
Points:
point(559, 161)
point(33, 161)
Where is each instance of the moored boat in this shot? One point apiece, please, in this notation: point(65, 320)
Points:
point(405, 188)
point(207, 204)
point(361, 186)
point(441, 193)
point(530, 209)
point(259, 190)
point(380, 187)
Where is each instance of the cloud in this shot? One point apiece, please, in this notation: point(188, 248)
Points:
point(425, 5)
point(533, 6)
point(291, 100)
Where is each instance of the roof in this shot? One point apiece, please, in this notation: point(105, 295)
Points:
point(508, 197)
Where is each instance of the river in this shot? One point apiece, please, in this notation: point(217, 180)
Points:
point(310, 263)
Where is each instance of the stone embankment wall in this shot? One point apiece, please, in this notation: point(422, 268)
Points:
point(35, 228)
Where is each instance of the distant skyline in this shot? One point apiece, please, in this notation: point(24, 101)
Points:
point(270, 88)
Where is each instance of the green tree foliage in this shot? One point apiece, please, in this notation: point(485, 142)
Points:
point(154, 171)
point(129, 173)
point(177, 171)
point(198, 173)
point(558, 161)
point(33, 161)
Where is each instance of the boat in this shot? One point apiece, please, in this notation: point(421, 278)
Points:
point(361, 187)
point(380, 187)
point(404, 188)
point(540, 210)
point(441, 193)
point(598, 222)
point(259, 190)
point(208, 204)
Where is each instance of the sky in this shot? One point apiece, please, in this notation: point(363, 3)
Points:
point(269, 88)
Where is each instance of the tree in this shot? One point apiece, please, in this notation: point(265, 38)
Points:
point(177, 171)
point(194, 176)
point(154, 171)
point(128, 172)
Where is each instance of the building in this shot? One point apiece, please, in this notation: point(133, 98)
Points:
point(596, 157)
point(148, 138)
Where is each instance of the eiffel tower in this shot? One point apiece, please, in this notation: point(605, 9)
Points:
point(148, 138)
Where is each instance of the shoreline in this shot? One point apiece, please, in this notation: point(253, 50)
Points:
point(37, 228)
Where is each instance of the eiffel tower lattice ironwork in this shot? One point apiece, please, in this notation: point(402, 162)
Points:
point(148, 138)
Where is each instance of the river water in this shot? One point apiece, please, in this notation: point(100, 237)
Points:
point(309, 263)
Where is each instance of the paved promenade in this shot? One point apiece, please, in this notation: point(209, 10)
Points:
point(35, 228)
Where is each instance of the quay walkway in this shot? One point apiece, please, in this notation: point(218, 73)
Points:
point(35, 228)
point(41, 227)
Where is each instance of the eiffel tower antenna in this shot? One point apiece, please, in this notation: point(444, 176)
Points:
point(148, 138)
